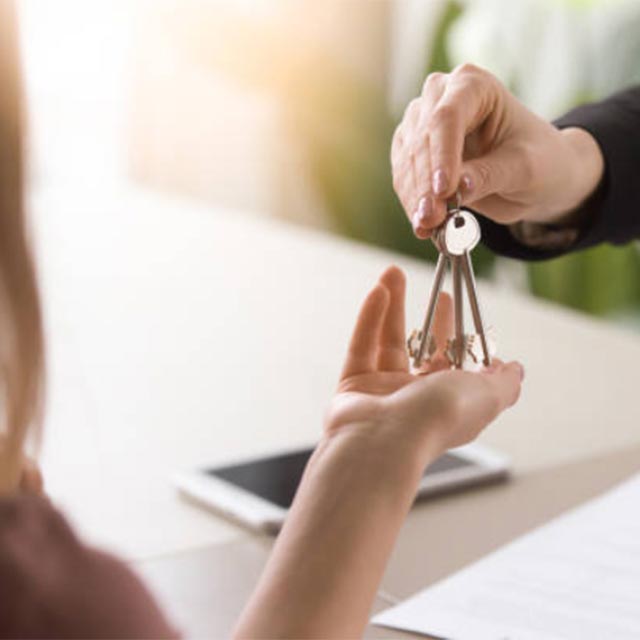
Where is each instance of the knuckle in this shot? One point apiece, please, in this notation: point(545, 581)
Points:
point(416, 148)
point(469, 69)
point(400, 155)
point(411, 110)
point(483, 176)
point(432, 81)
point(474, 84)
point(474, 78)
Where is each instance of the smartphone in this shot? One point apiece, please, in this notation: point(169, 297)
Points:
point(258, 493)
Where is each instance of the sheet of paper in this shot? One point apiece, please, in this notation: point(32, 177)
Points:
point(577, 577)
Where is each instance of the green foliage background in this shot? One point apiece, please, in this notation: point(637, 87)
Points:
point(348, 155)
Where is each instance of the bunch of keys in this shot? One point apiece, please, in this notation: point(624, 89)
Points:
point(455, 239)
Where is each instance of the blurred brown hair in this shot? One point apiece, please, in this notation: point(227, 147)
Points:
point(21, 342)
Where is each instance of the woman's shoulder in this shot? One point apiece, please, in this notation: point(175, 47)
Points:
point(54, 584)
point(32, 518)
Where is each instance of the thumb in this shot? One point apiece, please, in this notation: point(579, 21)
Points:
point(505, 381)
point(499, 172)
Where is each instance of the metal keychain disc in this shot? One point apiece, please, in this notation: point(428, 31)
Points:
point(459, 234)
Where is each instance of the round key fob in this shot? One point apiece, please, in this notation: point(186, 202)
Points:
point(460, 233)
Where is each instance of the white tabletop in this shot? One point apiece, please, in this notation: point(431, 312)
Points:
point(182, 336)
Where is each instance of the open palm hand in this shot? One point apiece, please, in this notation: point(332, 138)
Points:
point(379, 396)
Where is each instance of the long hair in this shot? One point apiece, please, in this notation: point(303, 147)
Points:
point(21, 341)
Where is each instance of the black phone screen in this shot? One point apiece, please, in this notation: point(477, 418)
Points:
point(276, 478)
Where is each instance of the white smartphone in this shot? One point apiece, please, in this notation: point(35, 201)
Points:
point(257, 493)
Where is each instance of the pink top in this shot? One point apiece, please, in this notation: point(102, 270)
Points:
point(53, 585)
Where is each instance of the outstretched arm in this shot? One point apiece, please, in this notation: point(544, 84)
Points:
point(383, 428)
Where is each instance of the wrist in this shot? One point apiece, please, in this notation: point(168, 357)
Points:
point(331, 553)
point(585, 169)
point(396, 463)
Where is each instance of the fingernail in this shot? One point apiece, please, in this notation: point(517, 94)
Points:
point(426, 210)
point(467, 184)
point(419, 217)
point(439, 182)
point(422, 208)
point(419, 231)
point(415, 219)
point(521, 371)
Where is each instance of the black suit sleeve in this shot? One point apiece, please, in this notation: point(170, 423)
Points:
point(612, 214)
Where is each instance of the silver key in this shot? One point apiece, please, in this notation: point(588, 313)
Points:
point(458, 313)
point(472, 292)
point(455, 239)
point(425, 341)
point(459, 234)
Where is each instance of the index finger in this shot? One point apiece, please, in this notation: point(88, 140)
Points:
point(464, 105)
point(392, 350)
point(363, 348)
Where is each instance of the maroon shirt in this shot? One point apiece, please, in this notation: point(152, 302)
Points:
point(53, 585)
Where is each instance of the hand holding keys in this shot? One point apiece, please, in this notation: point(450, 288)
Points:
point(455, 239)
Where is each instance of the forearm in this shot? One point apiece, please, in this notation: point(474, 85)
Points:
point(330, 556)
point(584, 172)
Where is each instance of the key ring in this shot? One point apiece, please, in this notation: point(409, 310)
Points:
point(454, 204)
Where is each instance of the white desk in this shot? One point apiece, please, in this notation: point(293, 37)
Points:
point(182, 336)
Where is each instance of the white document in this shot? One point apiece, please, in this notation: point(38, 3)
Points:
point(577, 577)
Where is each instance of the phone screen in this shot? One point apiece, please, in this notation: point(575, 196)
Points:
point(276, 479)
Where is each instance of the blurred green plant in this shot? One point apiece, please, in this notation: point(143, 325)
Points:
point(344, 129)
point(601, 281)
